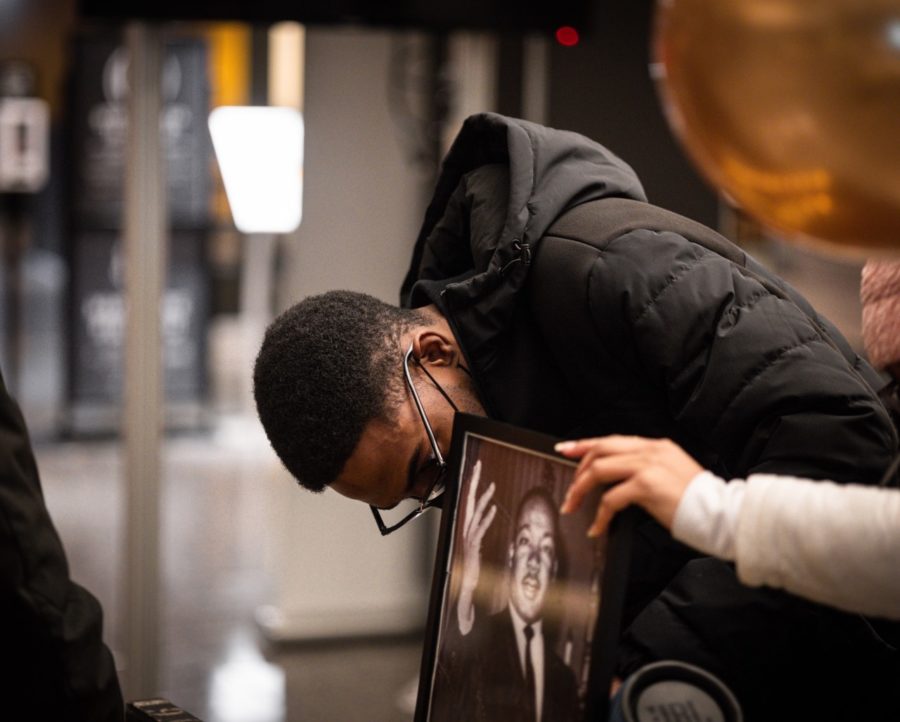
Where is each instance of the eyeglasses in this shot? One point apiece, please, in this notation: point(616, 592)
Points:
point(435, 489)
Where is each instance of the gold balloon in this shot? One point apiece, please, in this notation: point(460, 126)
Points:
point(792, 109)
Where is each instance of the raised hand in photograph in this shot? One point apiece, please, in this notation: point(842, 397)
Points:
point(476, 521)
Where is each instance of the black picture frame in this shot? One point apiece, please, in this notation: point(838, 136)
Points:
point(581, 607)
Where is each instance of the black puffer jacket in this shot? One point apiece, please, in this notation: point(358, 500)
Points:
point(573, 331)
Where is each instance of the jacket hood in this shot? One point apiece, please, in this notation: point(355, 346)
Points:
point(482, 261)
point(549, 171)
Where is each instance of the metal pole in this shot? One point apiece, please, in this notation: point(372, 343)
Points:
point(256, 303)
point(144, 246)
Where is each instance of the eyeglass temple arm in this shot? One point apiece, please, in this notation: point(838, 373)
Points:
point(415, 395)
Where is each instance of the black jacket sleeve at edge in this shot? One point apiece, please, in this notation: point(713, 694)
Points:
point(55, 664)
point(750, 373)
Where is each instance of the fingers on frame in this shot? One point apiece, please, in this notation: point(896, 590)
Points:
point(612, 444)
point(611, 503)
point(600, 472)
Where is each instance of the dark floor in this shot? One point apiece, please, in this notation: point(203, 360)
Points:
point(214, 662)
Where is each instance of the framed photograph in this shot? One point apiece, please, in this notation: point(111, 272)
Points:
point(525, 607)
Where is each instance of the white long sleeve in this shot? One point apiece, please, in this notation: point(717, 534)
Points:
point(839, 545)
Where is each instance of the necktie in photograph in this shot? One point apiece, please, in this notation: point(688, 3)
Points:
point(530, 708)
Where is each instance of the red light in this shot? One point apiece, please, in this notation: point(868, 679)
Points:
point(567, 35)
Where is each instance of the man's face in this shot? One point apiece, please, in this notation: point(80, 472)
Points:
point(532, 559)
point(393, 459)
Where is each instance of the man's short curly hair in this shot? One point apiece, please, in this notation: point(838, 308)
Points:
point(327, 367)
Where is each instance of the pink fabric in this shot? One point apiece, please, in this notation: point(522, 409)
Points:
point(880, 296)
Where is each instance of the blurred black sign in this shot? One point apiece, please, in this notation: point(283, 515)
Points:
point(99, 143)
point(98, 326)
point(100, 127)
point(427, 14)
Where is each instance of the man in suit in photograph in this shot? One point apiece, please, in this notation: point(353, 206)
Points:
point(503, 666)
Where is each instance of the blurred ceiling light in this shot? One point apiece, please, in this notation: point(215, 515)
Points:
point(260, 155)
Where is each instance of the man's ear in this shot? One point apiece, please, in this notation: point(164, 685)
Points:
point(511, 555)
point(435, 349)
